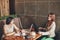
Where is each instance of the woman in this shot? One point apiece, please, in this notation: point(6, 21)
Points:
point(51, 25)
point(10, 28)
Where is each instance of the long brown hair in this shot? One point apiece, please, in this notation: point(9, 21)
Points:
point(50, 21)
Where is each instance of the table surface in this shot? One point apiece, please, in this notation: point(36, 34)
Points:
point(21, 38)
point(36, 37)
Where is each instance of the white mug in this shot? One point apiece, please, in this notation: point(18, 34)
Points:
point(33, 34)
point(23, 32)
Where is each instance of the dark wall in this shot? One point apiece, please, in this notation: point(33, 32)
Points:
point(1, 28)
point(12, 6)
point(37, 11)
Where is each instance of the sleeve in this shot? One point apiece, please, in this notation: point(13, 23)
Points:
point(44, 33)
point(53, 26)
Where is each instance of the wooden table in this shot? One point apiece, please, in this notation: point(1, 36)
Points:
point(13, 38)
point(21, 38)
point(37, 36)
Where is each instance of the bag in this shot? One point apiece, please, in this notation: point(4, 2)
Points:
point(44, 38)
point(49, 39)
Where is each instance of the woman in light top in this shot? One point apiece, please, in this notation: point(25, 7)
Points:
point(51, 25)
point(10, 28)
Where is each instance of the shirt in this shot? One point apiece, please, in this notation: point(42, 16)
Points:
point(9, 29)
point(51, 32)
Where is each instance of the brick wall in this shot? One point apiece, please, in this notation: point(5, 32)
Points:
point(36, 11)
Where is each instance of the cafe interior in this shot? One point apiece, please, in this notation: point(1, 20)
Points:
point(28, 14)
